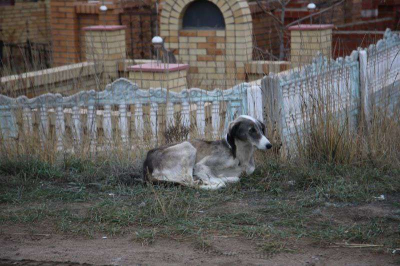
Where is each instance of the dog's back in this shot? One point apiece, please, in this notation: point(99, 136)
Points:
point(205, 148)
point(173, 162)
point(152, 156)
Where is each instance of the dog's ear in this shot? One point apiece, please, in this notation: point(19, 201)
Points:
point(263, 128)
point(230, 137)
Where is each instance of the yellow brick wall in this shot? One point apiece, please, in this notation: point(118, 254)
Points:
point(174, 81)
point(106, 47)
point(307, 44)
point(217, 58)
point(25, 20)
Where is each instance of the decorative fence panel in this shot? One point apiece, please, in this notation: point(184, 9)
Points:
point(294, 98)
point(380, 77)
point(133, 108)
point(348, 88)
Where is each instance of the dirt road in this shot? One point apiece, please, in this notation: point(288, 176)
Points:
point(20, 247)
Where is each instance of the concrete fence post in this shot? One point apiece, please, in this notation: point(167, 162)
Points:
point(254, 102)
point(273, 106)
point(364, 89)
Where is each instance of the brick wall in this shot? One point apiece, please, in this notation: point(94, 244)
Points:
point(363, 31)
point(265, 34)
point(309, 40)
point(344, 42)
point(19, 23)
point(217, 58)
point(24, 20)
point(140, 24)
point(69, 17)
point(106, 46)
point(64, 30)
point(265, 29)
point(205, 51)
point(348, 11)
point(85, 20)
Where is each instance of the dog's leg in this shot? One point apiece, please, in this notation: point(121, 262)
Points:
point(207, 179)
point(212, 184)
point(230, 179)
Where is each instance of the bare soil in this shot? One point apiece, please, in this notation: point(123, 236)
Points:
point(56, 249)
point(37, 244)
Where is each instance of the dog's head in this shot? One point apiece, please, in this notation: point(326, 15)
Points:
point(247, 129)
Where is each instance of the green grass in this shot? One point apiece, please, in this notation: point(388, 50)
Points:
point(279, 204)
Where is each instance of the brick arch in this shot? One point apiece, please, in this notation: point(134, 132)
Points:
point(237, 16)
point(209, 4)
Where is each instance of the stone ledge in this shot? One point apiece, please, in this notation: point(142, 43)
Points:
point(104, 28)
point(49, 76)
point(265, 67)
point(161, 67)
point(306, 27)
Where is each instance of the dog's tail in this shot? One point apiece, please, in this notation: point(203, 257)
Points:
point(147, 169)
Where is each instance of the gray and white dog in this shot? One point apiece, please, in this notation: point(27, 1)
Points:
point(209, 164)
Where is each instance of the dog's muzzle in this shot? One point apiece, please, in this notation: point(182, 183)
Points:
point(264, 144)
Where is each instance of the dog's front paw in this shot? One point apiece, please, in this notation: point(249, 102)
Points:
point(212, 184)
point(231, 179)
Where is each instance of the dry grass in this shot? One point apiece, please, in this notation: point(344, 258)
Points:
point(305, 197)
point(326, 139)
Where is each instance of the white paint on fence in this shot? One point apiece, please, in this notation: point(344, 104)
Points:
point(347, 87)
point(119, 96)
point(296, 97)
point(380, 73)
point(200, 118)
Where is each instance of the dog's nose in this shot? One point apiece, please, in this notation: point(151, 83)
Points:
point(268, 146)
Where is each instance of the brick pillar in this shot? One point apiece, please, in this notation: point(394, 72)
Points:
point(160, 75)
point(308, 40)
point(106, 45)
point(64, 31)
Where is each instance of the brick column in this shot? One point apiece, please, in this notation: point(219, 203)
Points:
point(106, 45)
point(308, 40)
point(64, 32)
point(160, 75)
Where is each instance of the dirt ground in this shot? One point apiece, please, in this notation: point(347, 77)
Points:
point(19, 246)
point(51, 224)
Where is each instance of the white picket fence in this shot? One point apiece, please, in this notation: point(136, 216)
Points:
point(380, 74)
point(124, 101)
point(347, 87)
point(350, 87)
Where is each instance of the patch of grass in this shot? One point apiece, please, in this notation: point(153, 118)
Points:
point(333, 182)
point(26, 215)
point(29, 168)
point(366, 232)
point(285, 201)
point(145, 236)
point(17, 191)
point(204, 244)
point(273, 247)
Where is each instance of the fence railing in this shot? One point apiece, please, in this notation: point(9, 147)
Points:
point(131, 106)
point(349, 87)
point(380, 74)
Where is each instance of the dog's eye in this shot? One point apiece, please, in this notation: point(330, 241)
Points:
point(252, 130)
